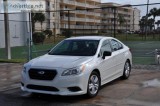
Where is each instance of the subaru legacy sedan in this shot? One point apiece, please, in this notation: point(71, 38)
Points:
point(77, 66)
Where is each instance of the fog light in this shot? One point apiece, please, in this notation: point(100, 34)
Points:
point(74, 89)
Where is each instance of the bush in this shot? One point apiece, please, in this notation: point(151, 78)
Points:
point(38, 37)
point(48, 33)
point(67, 33)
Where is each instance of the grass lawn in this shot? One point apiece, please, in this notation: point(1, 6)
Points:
point(136, 37)
point(20, 54)
point(143, 51)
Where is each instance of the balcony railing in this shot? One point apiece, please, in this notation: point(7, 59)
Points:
point(90, 20)
point(69, 2)
point(81, 19)
point(78, 3)
point(65, 26)
point(90, 6)
point(81, 12)
point(66, 18)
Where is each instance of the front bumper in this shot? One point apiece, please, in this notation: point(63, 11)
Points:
point(65, 85)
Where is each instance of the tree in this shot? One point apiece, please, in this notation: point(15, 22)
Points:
point(38, 37)
point(121, 20)
point(150, 23)
point(158, 23)
point(48, 33)
point(37, 17)
point(67, 33)
point(41, 18)
point(142, 23)
point(154, 12)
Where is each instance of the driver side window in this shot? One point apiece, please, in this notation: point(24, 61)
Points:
point(105, 47)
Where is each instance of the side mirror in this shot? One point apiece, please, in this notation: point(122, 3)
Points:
point(48, 50)
point(106, 53)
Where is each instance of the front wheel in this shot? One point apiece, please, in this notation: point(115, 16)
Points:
point(93, 85)
point(127, 70)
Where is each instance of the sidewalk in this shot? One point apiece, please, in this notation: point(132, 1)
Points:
point(10, 74)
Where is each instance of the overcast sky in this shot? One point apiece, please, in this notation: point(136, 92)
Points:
point(135, 2)
point(131, 1)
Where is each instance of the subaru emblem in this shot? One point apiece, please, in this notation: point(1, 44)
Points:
point(41, 72)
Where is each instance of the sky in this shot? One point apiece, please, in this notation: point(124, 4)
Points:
point(135, 2)
point(131, 1)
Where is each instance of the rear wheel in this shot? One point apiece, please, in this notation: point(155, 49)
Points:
point(127, 70)
point(93, 84)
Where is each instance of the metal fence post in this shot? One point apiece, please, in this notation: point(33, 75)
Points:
point(68, 23)
point(114, 22)
point(30, 37)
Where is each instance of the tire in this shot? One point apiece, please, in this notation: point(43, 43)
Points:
point(127, 70)
point(93, 85)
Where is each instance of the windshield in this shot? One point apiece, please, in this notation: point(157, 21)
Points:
point(76, 48)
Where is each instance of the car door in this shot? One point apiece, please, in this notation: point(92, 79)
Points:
point(119, 53)
point(106, 66)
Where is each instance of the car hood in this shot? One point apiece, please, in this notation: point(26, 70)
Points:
point(60, 61)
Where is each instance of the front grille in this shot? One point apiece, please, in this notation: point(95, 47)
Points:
point(44, 88)
point(42, 74)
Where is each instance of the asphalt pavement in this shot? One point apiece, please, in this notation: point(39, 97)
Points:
point(141, 89)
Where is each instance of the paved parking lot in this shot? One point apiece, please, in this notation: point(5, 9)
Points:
point(141, 89)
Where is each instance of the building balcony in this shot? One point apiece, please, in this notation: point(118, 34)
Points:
point(90, 6)
point(87, 13)
point(68, 2)
point(80, 4)
point(98, 1)
point(81, 19)
point(66, 18)
point(81, 12)
point(65, 26)
point(90, 20)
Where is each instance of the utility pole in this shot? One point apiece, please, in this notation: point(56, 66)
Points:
point(114, 22)
point(7, 32)
point(147, 20)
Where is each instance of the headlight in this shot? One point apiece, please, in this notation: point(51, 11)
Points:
point(24, 69)
point(74, 71)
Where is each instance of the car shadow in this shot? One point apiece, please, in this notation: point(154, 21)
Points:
point(39, 98)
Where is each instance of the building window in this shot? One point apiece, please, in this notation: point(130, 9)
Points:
point(52, 5)
point(53, 14)
point(47, 3)
point(125, 10)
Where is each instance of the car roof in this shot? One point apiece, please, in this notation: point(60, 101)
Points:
point(89, 38)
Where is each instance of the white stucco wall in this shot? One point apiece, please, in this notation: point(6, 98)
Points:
point(18, 29)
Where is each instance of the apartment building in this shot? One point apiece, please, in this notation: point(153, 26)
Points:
point(126, 18)
point(53, 15)
point(135, 19)
point(80, 19)
point(84, 19)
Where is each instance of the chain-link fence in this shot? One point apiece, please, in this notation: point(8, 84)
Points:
point(141, 34)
